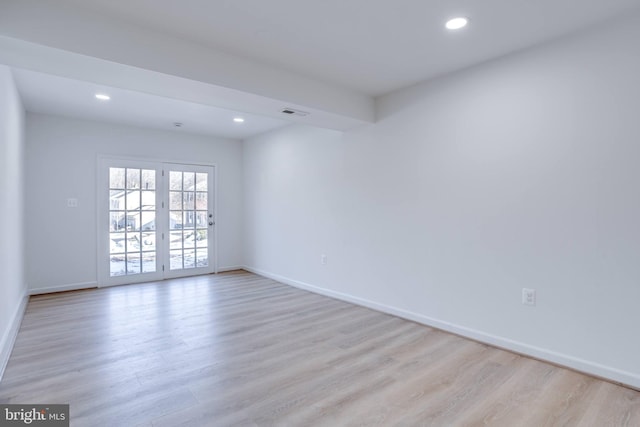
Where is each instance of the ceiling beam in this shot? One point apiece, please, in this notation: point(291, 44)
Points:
point(37, 36)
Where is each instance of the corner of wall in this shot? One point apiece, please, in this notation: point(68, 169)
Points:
point(11, 333)
point(13, 288)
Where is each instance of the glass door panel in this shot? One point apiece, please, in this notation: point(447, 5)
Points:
point(132, 211)
point(190, 218)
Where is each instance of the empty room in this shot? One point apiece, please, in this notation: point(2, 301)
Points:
point(328, 213)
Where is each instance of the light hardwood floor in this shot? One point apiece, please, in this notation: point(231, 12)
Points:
point(237, 349)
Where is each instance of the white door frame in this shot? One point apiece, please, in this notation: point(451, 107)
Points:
point(102, 228)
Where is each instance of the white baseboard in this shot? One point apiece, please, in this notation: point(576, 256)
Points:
point(588, 367)
point(63, 288)
point(9, 337)
point(89, 285)
point(232, 268)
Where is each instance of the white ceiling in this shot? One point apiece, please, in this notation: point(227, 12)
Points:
point(373, 46)
point(45, 93)
point(200, 62)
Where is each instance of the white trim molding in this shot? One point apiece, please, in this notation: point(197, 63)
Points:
point(63, 288)
point(231, 268)
point(93, 285)
point(10, 335)
point(609, 373)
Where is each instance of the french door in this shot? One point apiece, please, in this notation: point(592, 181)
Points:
point(157, 221)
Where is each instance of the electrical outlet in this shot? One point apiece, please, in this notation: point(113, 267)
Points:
point(323, 259)
point(528, 296)
point(72, 203)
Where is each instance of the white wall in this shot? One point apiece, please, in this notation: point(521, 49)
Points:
point(61, 161)
point(521, 172)
point(12, 283)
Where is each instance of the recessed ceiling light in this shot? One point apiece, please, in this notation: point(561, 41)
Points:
point(238, 120)
point(102, 97)
point(457, 23)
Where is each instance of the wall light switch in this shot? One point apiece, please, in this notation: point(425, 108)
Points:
point(323, 259)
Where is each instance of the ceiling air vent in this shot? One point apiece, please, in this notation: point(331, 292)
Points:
point(292, 112)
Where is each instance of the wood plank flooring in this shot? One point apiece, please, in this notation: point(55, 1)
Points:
point(237, 349)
